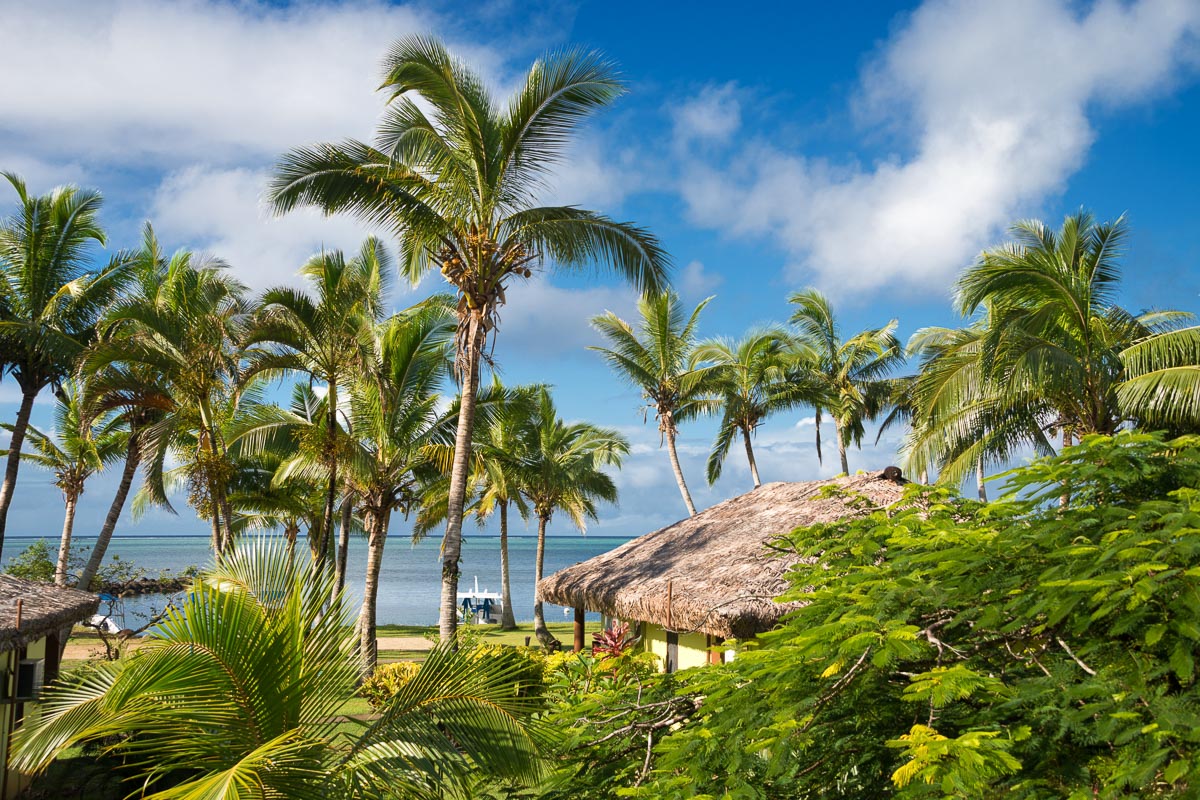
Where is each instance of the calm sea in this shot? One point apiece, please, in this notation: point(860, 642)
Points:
point(410, 581)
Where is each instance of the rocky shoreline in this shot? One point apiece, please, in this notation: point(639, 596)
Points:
point(143, 586)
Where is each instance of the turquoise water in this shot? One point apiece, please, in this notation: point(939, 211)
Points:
point(410, 580)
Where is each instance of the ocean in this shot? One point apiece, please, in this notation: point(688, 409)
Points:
point(410, 579)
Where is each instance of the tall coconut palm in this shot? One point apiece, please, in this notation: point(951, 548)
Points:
point(658, 358)
point(50, 298)
point(563, 471)
point(325, 336)
point(854, 370)
point(78, 450)
point(239, 692)
point(186, 331)
point(1053, 348)
point(750, 382)
point(455, 175)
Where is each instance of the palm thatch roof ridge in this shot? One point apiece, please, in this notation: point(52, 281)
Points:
point(44, 608)
point(714, 573)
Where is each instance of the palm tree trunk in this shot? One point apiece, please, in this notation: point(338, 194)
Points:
point(14, 459)
point(540, 630)
point(331, 493)
point(343, 545)
point(1065, 499)
point(290, 532)
point(841, 443)
point(750, 458)
point(133, 458)
point(979, 480)
point(683, 490)
point(508, 620)
point(452, 541)
point(367, 645)
point(215, 522)
point(64, 543)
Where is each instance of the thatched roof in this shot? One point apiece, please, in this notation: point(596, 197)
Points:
point(44, 608)
point(712, 573)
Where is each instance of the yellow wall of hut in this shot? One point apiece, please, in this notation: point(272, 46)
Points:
point(692, 651)
point(14, 782)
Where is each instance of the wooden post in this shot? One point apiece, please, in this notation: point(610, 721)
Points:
point(579, 615)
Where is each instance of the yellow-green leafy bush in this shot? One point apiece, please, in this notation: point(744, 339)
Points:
point(386, 681)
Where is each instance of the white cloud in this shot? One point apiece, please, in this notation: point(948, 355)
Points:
point(595, 175)
point(996, 97)
point(695, 281)
point(221, 211)
point(136, 79)
point(542, 319)
point(715, 114)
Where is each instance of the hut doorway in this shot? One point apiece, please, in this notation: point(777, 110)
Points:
point(672, 651)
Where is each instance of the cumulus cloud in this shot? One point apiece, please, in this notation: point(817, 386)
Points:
point(221, 211)
point(695, 281)
point(715, 114)
point(139, 79)
point(994, 99)
point(542, 319)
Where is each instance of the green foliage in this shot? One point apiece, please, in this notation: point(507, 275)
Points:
point(238, 690)
point(954, 649)
point(525, 666)
point(34, 563)
point(386, 681)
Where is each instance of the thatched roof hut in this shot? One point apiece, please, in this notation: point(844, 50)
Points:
point(44, 608)
point(713, 573)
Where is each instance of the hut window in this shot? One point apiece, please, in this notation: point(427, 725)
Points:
point(672, 651)
point(30, 677)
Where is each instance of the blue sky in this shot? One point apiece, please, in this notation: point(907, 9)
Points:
point(869, 149)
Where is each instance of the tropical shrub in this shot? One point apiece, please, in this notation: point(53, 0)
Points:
point(34, 563)
point(950, 648)
point(386, 682)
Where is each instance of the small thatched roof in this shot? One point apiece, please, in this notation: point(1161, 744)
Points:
point(44, 608)
point(713, 573)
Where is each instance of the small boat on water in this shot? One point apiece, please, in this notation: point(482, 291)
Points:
point(481, 607)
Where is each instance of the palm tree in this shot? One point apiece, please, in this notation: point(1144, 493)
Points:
point(1162, 380)
point(949, 403)
point(493, 485)
point(455, 175)
point(50, 298)
point(1054, 342)
point(562, 472)
point(397, 430)
point(186, 331)
point(751, 383)
point(239, 693)
point(325, 337)
point(81, 449)
point(137, 393)
point(499, 446)
point(854, 371)
point(657, 357)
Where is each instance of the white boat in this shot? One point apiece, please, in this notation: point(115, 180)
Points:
point(481, 607)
